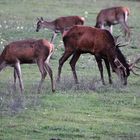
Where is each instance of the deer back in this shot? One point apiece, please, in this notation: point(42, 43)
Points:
point(67, 22)
point(97, 42)
point(89, 39)
point(111, 15)
point(26, 51)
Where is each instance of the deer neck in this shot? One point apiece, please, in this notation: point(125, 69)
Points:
point(49, 25)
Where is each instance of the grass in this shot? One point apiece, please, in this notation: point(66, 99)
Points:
point(74, 116)
point(87, 111)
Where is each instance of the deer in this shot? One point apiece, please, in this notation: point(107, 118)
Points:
point(98, 42)
point(60, 24)
point(112, 16)
point(28, 51)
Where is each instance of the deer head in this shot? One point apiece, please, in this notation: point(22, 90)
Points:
point(123, 70)
point(132, 65)
point(39, 23)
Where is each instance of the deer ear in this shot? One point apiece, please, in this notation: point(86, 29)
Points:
point(37, 19)
point(41, 18)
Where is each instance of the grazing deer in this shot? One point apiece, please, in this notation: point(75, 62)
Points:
point(28, 52)
point(60, 24)
point(101, 44)
point(112, 16)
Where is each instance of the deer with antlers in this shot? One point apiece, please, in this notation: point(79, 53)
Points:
point(98, 42)
point(60, 24)
point(112, 16)
point(28, 52)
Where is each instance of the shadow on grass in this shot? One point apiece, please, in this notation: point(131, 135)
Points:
point(85, 84)
point(12, 102)
point(89, 85)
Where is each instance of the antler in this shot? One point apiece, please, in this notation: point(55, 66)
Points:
point(118, 43)
point(119, 65)
point(133, 65)
point(37, 18)
point(40, 19)
point(116, 38)
point(134, 72)
point(122, 45)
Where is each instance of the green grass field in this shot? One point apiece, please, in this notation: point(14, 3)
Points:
point(88, 112)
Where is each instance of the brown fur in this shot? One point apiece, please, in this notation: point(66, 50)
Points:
point(26, 52)
point(112, 16)
point(60, 24)
point(98, 42)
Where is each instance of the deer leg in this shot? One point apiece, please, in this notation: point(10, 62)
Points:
point(100, 66)
point(111, 29)
point(48, 58)
point(15, 77)
point(18, 72)
point(43, 72)
point(73, 61)
point(48, 68)
point(126, 29)
point(62, 60)
point(108, 70)
point(53, 37)
point(2, 65)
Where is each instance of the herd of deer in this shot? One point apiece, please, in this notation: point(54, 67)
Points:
point(77, 39)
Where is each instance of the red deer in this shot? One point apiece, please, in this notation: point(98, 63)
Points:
point(112, 16)
point(60, 24)
point(28, 52)
point(98, 42)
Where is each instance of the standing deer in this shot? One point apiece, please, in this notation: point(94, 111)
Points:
point(28, 52)
point(60, 24)
point(112, 16)
point(98, 42)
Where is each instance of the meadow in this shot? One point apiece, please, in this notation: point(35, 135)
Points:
point(90, 111)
